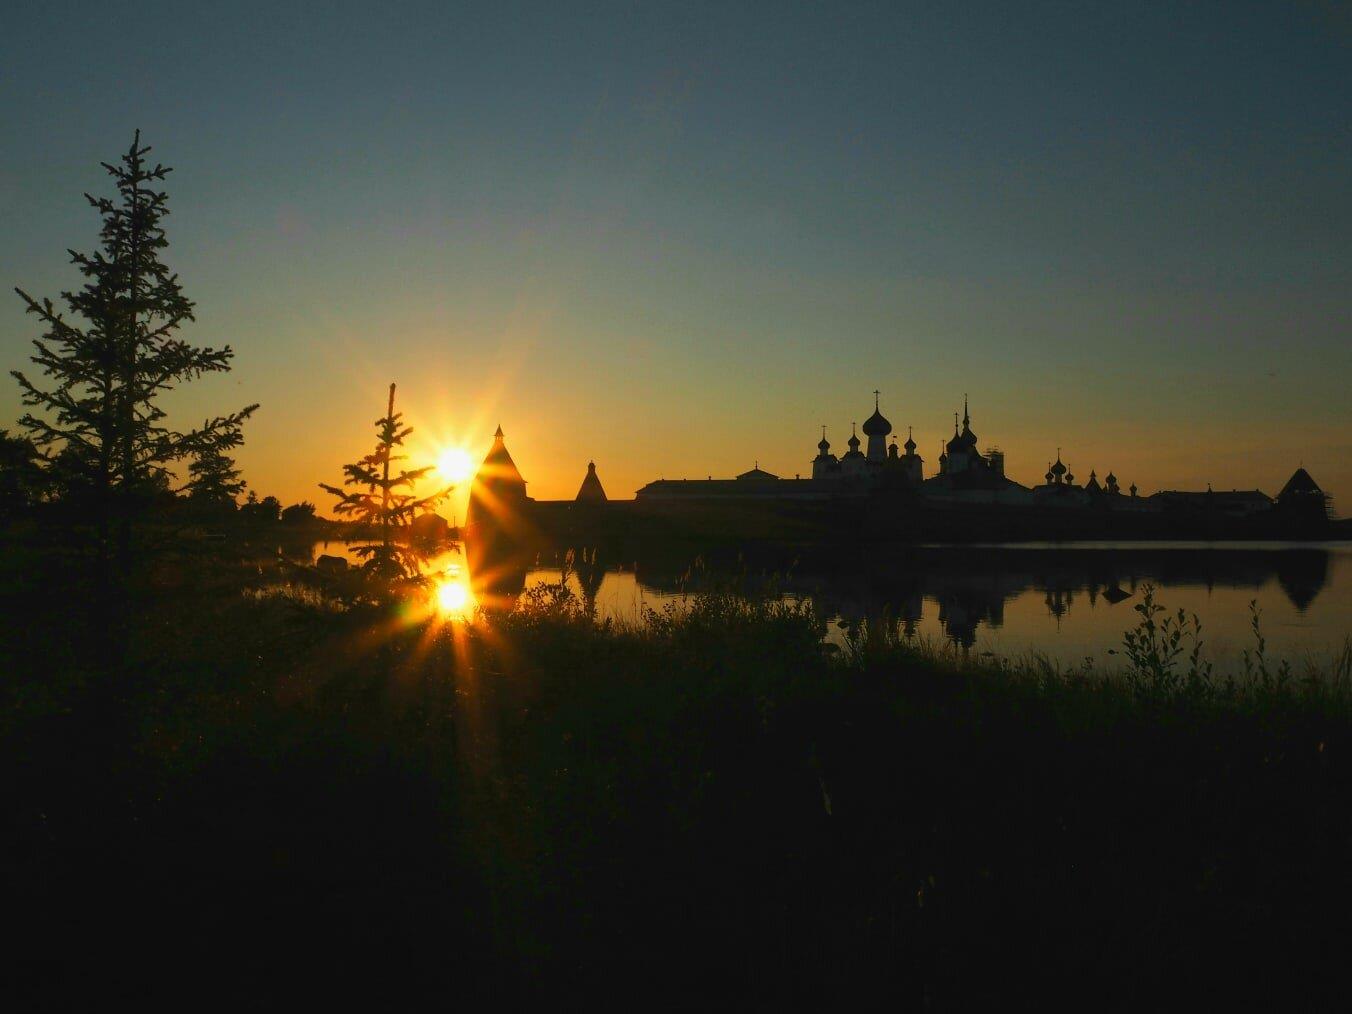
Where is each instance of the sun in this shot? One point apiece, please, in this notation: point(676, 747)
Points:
point(454, 599)
point(455, 464)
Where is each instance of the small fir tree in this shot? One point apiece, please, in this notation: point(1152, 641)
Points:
point(213, 479)
point(384, 502)
point(118, 353)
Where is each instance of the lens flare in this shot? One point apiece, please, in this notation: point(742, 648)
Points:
point(453, 598)
point(455, 464)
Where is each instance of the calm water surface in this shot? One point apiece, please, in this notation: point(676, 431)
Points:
point(1070, 601)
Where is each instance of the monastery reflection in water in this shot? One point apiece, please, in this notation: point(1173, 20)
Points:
point(859, 538)
point(969, 585)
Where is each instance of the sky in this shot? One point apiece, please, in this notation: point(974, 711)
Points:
point(677, 239)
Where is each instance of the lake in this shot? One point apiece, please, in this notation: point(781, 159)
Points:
point(1069, 601)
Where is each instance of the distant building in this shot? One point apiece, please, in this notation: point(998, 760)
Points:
point(968, 476)
point(1301, 499)
point(911, 464)
point(757, 474)
point(825, 465)
point(430, 528)
point(853, 465)
point(876, 428)
point(965, 475)
point(497, 495)
point(591, 490)
point(1237, 503)
point(756, 484)
point(962, 450)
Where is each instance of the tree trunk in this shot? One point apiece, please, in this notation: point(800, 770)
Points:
point(385, 485)
point(127, 420)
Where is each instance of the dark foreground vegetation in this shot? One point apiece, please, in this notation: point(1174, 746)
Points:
point(265, 798)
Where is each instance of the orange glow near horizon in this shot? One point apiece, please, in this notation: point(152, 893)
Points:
point(551, 443)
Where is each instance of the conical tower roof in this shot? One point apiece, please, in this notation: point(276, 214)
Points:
point(498, 466)
point(1301, 482)
point(591, 489)
point(497, 494)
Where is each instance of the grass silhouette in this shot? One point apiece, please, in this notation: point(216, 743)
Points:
point(282, 795)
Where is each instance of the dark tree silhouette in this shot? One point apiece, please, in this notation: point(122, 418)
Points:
point(214, 479)
point(22, 478)
point(298, 513)
point(74, 478)
point(384, 502)
point(267, 509)
point(109, 363)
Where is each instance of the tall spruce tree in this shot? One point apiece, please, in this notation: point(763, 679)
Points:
point(118, 353)
point(384, 502)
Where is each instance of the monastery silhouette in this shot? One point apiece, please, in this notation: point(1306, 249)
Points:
point(884, 473)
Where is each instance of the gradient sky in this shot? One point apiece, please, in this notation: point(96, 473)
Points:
point(679, 239)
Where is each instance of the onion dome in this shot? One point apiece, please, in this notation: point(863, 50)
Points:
point(958, 443)
point(942, 456)
point(967, 433)
point(1050, 474)
point(854, 439)
point(1070, 479)
point(876, 425)
point(910, 442)
point(1058, 469)
point(892, 449)
point(824, 445)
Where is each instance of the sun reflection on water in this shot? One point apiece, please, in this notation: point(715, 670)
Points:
point(454, 597)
